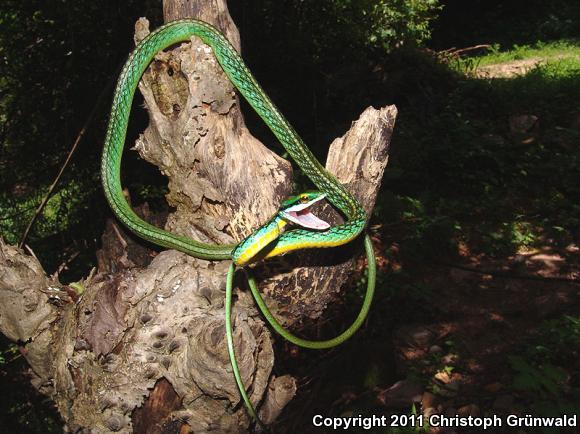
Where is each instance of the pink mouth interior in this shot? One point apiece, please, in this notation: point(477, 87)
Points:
point(308, 220)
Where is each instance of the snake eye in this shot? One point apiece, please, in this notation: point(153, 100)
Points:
point(303, 198)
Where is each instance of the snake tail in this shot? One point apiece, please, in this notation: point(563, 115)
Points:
point(245, 252)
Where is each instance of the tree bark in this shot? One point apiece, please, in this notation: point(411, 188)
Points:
point(143, 348)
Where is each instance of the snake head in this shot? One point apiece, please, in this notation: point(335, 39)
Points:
point(295, 209)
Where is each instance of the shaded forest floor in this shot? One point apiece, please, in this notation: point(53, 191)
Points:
point(480, 202)
point(454, 341)
point(477, 311)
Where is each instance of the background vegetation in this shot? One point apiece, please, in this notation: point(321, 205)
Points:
point(462, 185)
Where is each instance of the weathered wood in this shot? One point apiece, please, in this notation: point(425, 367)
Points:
point(211, 11)
point(358, 160)
point(143, 348)
point(26, 314)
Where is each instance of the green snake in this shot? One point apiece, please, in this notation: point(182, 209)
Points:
point(271, 239)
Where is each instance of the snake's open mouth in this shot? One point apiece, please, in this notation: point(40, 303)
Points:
point(301, 215)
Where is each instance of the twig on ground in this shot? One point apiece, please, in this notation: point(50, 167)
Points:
point(65, 263)
point(457, 52)
point(508, 275)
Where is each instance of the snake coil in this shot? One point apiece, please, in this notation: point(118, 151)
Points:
point(236, 70)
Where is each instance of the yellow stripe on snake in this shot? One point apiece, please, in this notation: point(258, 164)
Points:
point(269, 240)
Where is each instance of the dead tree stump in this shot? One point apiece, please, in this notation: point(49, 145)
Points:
point(143, 348)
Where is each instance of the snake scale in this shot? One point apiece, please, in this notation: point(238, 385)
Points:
point(269, 240)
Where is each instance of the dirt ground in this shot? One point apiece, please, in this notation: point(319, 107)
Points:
point(481, 319)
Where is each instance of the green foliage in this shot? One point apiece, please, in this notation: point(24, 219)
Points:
point(507, 22)
point(461, 175)
point(55, 58)
point(546, 368)
point(60, 212)
point(352, 25)
point(456, 174)
point(417, 429)
point(9, 353)
point(54, 65)
point(545, 380)
point(425, 234)
point(507, 237)
point(557, 341)
point(390, 24)
point(551, 51)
